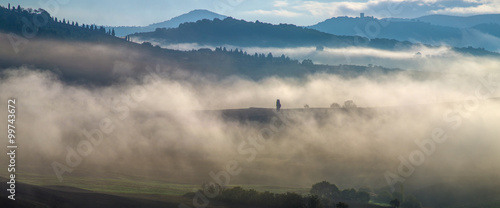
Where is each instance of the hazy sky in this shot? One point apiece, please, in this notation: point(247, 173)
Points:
point(135, 12)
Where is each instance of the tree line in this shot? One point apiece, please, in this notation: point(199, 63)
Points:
point(18, 20)
point(321, 195)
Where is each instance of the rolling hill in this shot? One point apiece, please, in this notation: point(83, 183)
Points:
point(400, 30)
point(63, 196)
point(242, 33)
point(460, 22)
point(88, 54)
point(433, 29)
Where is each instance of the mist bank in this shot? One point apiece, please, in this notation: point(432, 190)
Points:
point(160, 119)
point(417, 57)
point(159, 128)
point(107, 63)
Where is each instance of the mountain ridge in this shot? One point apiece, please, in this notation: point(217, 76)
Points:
point(432, 29)
point(460, 21)
point(240, 33)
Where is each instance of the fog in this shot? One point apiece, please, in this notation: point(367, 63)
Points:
point(417, 57)
point(159, 126)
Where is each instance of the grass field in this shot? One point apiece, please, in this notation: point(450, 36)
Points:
point(135, 185)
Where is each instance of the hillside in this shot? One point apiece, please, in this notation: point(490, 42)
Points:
point(242, 33)
point(433, 30)
point(63, 196)
point(46, 26)
point(89, 54)
point(191, 16)
point(407, 30)
point(490, 28)
point(460, 22)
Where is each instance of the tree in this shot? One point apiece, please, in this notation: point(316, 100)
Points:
point(307, 62)
point(349, 104)
point(148, 44)
point(292, 200)
point(325, 190)
point(394, 203)
point(313, 201)
point(349, 194)
point(363, 196)
point(9, 6)
point(270, 55)
point(342, 205)
point(334, 105)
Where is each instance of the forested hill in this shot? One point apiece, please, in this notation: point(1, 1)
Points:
point(242, 33)
point(90, 54)
point(29, 23)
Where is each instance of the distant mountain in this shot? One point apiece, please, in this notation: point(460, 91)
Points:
point(85, 54)
point(376, 28)
point(491, 29)
point(433, 29)
point(461, 22)
point(191, 16)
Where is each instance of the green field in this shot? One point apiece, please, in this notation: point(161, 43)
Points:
point(120, 184)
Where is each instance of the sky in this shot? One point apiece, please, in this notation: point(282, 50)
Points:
point(298, 12)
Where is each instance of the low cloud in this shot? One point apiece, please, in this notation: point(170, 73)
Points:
point(173, 129)
point(316, 11)
point(279, 13)
point(483, 7)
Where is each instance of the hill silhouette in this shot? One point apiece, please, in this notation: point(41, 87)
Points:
point(242, 33)
point(191, 16)
point(235, 32)
point(89, 53)
point(38, 23)
point(433, 29)
point(459, 21)
point(400, 30)
point(63, 196)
